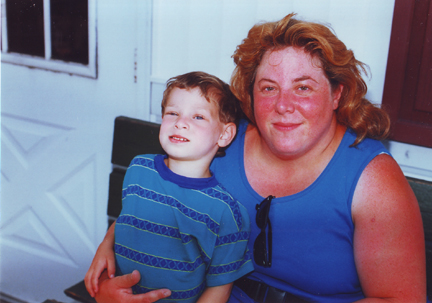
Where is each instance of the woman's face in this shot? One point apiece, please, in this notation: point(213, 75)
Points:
point(293, 103)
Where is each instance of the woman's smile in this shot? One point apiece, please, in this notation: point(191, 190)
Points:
point(283, 126)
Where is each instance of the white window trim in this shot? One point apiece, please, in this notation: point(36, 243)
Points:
point(48, 63)
point(157, 87)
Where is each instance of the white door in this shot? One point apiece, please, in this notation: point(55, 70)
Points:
point(56, 144)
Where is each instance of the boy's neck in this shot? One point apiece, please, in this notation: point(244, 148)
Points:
point(190, 169)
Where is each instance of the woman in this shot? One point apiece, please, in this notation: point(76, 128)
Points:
point(345, 225)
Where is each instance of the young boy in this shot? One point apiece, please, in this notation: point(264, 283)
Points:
point(178, 226)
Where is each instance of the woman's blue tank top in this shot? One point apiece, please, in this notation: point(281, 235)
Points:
point(312, 230)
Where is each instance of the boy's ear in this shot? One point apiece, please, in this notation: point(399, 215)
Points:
point(227, 135)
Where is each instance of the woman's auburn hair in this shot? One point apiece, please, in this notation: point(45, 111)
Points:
point(337, 62)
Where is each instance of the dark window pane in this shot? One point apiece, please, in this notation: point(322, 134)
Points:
point(25, 27)
point(69, 30)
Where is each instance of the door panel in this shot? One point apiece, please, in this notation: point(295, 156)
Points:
point(56, 142)
point(408, 90)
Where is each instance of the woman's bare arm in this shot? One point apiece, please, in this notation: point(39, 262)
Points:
point(103, 259)
point(388, 239)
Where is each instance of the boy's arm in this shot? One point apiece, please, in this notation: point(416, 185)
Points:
point(216, 294)
point(103, 259)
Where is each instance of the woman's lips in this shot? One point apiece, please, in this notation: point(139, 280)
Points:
point(285, 126)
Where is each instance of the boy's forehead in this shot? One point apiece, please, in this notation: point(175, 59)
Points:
point(183, 94)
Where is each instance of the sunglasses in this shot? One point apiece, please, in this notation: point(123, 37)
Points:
point(262, 249)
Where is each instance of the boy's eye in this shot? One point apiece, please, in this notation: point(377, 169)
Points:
point(171, 113)
point(199, 117)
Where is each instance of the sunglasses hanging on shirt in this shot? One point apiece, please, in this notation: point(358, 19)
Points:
point(262, 249)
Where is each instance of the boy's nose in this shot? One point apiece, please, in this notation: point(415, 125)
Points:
point(181, 123)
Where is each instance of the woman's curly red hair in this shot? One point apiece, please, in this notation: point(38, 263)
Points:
point(338, 63)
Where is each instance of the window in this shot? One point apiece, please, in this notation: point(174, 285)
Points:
point(408, 86)
point(58, 35)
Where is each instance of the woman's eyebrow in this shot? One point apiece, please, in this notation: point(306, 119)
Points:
point(303, 78)
point(298, 79)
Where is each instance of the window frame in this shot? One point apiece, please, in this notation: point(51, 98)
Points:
point(47, 63)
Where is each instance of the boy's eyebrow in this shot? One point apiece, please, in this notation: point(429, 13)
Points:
point(266, 79)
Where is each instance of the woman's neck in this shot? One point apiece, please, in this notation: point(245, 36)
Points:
point(271, 174)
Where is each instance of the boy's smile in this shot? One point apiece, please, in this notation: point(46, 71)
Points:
point(178, 138)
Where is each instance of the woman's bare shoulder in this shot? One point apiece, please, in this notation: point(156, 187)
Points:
point(384, 184)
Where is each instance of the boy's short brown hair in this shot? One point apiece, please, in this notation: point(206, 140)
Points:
point(212, 88)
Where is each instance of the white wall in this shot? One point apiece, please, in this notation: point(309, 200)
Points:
point(204, 34)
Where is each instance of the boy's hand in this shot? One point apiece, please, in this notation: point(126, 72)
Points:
point(103, 259)
point(118, 290)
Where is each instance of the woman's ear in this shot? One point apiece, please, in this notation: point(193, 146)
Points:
point(336, 94)
point(227, 135)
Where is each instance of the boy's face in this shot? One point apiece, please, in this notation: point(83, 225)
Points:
point(190, 129)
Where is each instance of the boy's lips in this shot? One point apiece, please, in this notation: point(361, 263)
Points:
point(176, 138)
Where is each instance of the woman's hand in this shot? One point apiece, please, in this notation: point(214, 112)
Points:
point(118, 290)
point(103, 259)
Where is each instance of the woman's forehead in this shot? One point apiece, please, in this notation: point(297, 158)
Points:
point(289, 60)
point(276, 56)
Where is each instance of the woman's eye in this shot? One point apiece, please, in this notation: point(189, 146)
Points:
point(269, 88)
point(303, 88)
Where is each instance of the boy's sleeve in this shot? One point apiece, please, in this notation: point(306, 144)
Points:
point(231, 258)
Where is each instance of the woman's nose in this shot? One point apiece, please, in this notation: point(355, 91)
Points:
point(284, 104)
